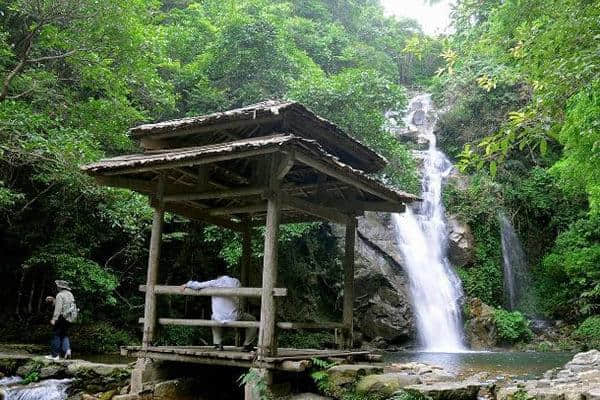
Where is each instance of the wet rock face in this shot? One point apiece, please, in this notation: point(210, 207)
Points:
point(382, 310)
point(461, 244)
point(480, 327)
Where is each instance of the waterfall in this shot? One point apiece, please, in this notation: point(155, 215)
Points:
point(51, 389)
point(516, 275)
point(422, 237)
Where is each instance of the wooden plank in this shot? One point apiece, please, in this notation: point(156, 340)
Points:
point(138, 185)
point(285, 365)
point(267, 343)
point(222, 292)
point(153, 263)
point(348, 261)
point(201, 215)
point(216, 194)
point(214, 127)
point(333, 172)
point(247, 209)
point(359, 205)
point(246, 260)
point(327, 213)
point(310, 325)
point(193, 161)
point(206, 323)
point(320, 354)
point(246, 324)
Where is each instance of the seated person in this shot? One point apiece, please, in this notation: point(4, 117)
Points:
point(225, 309)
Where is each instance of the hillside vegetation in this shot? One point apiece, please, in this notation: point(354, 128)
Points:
point(518, 82)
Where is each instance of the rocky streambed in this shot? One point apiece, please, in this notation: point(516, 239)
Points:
point(25, 376)
point(578, 379)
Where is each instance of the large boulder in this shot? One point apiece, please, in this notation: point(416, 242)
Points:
point(480, 327)
point(341, 377)
point(308, 396)
point(465, 390)
point(461, 244)
point(176, 389)
point(386, 384)
point(382, 300)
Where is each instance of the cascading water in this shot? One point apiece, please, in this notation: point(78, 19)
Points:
point(422, 238)
point(516, 274)
point(51, 389)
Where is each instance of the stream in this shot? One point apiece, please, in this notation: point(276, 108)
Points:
point(519, 364)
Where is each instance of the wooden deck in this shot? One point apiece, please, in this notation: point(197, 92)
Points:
point(296, 360)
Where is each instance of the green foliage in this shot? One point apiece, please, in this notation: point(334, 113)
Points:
point(320, 376)
point(356, 100)
point(257, 381)
point(512, 327)
point(578, 169)
point(100, 338)
point(405, 395)
point(589, 331)
point(306, 340)
point(574, 262)
point(479, 206)
point(521, 394)
point(31, 377)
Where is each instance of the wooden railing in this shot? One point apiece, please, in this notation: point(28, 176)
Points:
point(222, 292)
point(231, 292)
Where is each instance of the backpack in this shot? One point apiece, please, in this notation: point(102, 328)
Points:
point(71, 313)
point(70, 310)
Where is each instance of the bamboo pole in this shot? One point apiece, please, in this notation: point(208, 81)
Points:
point(349, 282)
point(246, 324)
point(222, 292)
point(266, 340)
point(246, 257)
point(153, 263)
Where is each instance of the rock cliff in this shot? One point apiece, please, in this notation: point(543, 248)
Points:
point(382, 301)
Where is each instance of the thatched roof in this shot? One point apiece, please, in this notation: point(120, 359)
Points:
point(190, 156)
point(255, 120)
point(314, 177)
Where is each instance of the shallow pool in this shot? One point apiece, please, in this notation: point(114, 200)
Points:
point(521, 364)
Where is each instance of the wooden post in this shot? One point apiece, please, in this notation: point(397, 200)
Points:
point(349, 282)
point(153, 261)
point(267, 345)
point(246, 256)
point(244, 267)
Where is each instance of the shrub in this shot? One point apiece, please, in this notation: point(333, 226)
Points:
point(512, 327)
point(306, 340)
point(589, 331)
point(99, 338)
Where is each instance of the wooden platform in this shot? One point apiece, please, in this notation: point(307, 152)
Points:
point(287, 359)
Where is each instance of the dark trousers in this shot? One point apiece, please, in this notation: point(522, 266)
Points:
point(60, 341)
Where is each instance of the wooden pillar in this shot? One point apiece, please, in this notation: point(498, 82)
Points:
point(153, 261)
point(245, 267)
point(246, 253)
point(349, 282)
point(267, 343)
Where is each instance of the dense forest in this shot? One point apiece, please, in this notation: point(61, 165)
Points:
point(518, 82)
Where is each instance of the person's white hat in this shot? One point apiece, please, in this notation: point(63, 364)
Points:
point(63, 284)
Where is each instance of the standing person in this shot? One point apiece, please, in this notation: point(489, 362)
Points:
point(225, 309)
point(65, 312)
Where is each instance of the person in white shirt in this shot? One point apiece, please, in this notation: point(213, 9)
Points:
point(225, 309)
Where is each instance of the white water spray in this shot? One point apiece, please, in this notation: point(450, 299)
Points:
point(51, 389)
point(516, 274)
point(422, 237)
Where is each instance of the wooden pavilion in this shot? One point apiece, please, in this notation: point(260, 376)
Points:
point(269, 164)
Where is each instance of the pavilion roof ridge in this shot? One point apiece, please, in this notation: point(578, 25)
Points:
point(264, 110)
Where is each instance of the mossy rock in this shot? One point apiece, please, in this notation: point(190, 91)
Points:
point(386, 384)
